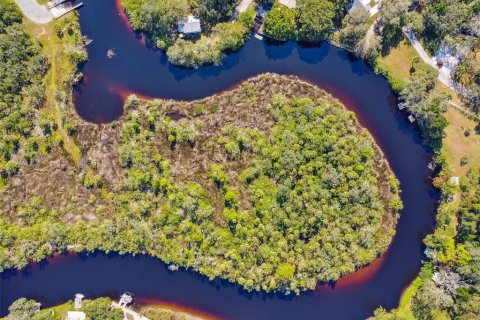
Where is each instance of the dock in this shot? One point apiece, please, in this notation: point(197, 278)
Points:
point(62, 7)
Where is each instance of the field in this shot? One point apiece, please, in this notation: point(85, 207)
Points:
point(399, 60)
point(61, 67)
point(459, 144)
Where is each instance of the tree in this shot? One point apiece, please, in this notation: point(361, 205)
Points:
point(214, 11)
point(393, 14)
point(9, 14)
point(340, 9)
point(430, 298)
point(101, 309)
point(22, 309)
point(160, 17)
point(280, 23)
point(285, 272)
point(442, 18)
point(316, 20)
point(354, 28)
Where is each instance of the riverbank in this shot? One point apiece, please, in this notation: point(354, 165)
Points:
point(189, 154)
point(143, 312)
point(357, 65)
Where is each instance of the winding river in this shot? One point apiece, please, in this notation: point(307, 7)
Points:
point(136, 68)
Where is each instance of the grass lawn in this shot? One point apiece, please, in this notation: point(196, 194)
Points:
point(372, 19)
point(403, 312)
point(165, 312)
point(458, 145)
point(399, 60)
point(60, 311)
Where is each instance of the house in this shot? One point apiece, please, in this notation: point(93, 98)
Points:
point(190, 26)
point(78, 300)
point(76, 315)
point(288, 3)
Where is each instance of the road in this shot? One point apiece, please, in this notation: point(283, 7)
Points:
point(243, 5)
point(35, 12)
point(443, 76)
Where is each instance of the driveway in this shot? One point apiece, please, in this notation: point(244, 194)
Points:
point(443, 75)
point(243, 5)
point(34, 12)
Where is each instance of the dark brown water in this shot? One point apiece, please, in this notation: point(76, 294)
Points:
point(136, 68)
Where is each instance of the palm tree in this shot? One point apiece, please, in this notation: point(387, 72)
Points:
point(463, 73)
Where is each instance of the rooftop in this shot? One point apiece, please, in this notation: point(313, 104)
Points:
point(78, 300)
point(76, 315)
point(189, 25)
point(288, 3)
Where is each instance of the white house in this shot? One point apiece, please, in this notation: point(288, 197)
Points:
point(76, 315)
point(190, 26)
point(288, 3)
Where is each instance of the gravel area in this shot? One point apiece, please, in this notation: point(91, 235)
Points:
point(35, 12)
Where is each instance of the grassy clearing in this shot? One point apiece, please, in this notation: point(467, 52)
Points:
point(60, 311)
point(459, 145)
point(166, 312)
point(60, 68)
point(404, 312)
point(399, 61)
point(372, 19)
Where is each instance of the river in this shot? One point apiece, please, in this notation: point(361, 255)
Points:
point(136, 68)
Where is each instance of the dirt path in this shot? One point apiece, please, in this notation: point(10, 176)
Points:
point(129, 312)
point(35, 12)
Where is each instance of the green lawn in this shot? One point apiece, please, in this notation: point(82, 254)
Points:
point(403, 311)
point(399, 60)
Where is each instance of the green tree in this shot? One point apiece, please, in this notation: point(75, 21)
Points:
point(281, 23)
point(430, 298)
point(9, 14)
point(101, 309)
point(316, 20)
point(22, 309)
point(160, 17)
point(354, 28)
point(214, 11)
point(285, 272)
point(445, 17)
point(393, 14)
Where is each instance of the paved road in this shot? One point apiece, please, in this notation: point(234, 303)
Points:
point(443, 76)
point(33, 11)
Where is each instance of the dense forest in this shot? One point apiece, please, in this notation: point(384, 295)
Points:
point(22, 67)
point(311, 21)
point(273, 185)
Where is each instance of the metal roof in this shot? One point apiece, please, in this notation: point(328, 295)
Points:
point(190, 25)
